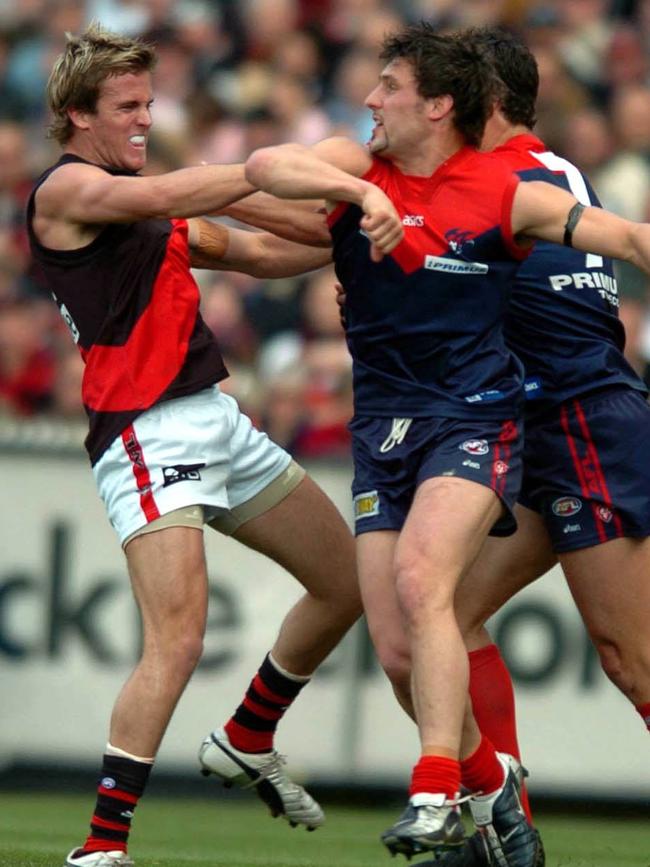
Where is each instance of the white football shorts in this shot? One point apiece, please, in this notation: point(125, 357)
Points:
point(195, 451)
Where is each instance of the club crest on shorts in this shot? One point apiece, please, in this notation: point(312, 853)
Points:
point(565, 507)
point(604, 514)
point(181, 473)
point(366, 505)
point(475, 447)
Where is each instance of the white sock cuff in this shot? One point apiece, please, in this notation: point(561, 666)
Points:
point(298, 678)
point(116, 751)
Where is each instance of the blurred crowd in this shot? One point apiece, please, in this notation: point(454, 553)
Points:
point(234, 75)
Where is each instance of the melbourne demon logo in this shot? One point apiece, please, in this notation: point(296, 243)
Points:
point(458, 240)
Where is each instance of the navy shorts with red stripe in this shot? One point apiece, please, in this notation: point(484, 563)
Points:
point(587, 469)
point(393, 456)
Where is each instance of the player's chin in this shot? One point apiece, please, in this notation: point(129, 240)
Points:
point(137, 161)
point(377, 145)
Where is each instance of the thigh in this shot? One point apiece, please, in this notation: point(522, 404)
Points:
point(586, 470)
point(611, 587)
point(502, 568)
point(449, 520)
point(306, 534)
point(376, 567)
point(169, 580)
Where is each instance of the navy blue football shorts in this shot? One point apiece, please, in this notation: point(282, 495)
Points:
point(393, 456)
point(587, 469)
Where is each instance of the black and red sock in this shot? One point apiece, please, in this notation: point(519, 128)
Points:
point(252, 727)
point(121, 784)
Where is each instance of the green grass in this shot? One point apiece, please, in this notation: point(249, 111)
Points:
point(37, 831)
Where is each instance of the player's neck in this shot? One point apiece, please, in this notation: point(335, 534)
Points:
point(428, 156)
point(498, 131)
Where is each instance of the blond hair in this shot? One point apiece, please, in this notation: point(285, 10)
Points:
point(79, 71)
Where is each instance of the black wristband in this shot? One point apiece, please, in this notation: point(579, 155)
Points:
point(571, 222)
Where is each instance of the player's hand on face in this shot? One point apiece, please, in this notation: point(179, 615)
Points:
point(381, 223)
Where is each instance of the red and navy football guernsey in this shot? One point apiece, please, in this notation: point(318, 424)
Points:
point(562, 321)
point(424, 325)
point(132, 307)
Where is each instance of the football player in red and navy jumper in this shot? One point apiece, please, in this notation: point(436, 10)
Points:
point(436, 425)
point(169, 450)
point(585, 497)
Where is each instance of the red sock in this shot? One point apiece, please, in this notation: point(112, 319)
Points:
point(252, 727)
point(121, 785)
point(436, 774)
point(493, 701)
point(644, 710)
point(482, 771)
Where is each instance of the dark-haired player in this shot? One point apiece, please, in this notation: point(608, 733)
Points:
point(585, 497)
point(436, 428)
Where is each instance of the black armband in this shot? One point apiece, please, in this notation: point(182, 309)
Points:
point(571, 222)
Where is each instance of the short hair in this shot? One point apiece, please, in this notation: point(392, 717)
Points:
point(85, 63)
point(448, 64)
point(516, 69)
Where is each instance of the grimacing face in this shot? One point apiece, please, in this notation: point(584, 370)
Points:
point(118, 129)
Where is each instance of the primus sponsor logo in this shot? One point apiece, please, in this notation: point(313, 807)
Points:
point(565, 507)
point(605, 285)
point(453, 266)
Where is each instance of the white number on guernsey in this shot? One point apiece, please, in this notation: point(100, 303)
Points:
point(576, 183)
point(69, 321)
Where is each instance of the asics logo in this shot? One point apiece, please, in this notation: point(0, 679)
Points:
point(413, 220)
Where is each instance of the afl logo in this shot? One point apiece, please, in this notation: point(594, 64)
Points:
point(475, 447)
point(566, 507)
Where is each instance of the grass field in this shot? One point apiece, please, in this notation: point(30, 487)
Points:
point(37, 830)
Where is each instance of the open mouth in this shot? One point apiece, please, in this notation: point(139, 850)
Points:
point(138, 141)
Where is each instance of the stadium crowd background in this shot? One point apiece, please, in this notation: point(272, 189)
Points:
point(234, 75)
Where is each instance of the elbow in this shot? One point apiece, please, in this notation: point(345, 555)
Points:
point(264, 166)
point(259, 167)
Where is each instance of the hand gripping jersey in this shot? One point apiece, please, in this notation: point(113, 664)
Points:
point(562, 321)
point(424, 325)
point(132, 307)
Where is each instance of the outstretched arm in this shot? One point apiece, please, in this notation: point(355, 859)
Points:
point(84, 194)
point(298, 220)
point(260, 254)
point(332, 171)
point(541, 210)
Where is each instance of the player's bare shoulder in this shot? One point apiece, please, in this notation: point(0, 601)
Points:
point(345, 154)
point(57, 204)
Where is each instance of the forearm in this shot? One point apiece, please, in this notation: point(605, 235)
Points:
point(281, 258)
point(640, 246)
point(208, 243)
point(216, 247)
point(198, 190)
point(300, 221)
point(295, 172)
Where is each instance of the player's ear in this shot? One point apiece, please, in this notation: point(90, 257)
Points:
point(440, 106)
point(79, 118)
